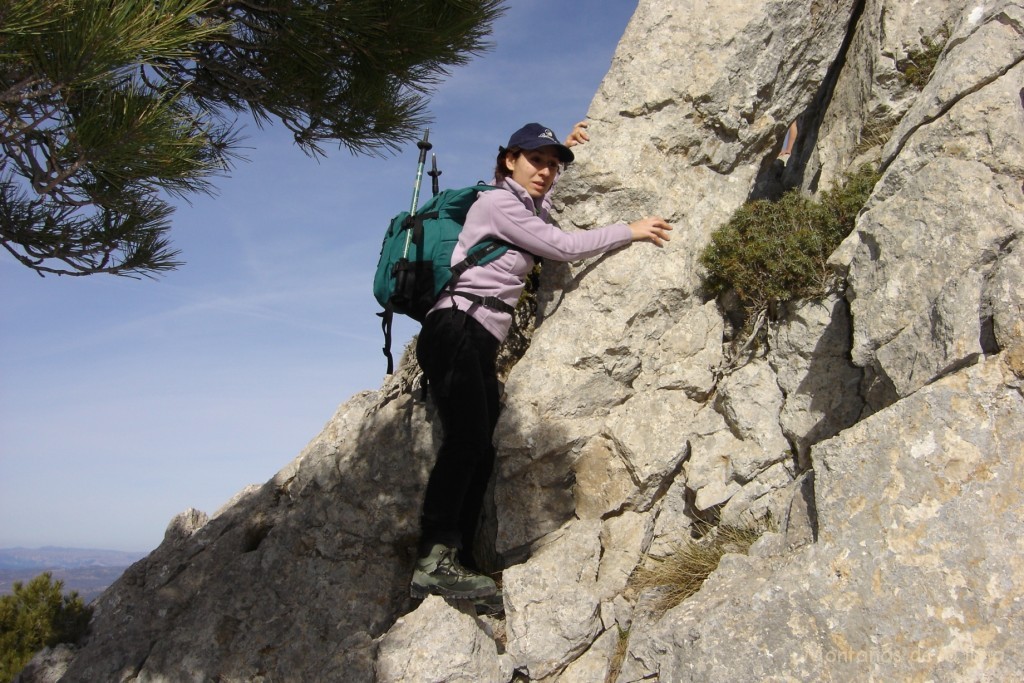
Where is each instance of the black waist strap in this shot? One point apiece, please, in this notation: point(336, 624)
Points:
point(492, 302)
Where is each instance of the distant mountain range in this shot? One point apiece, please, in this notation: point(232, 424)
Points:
point(87, 571)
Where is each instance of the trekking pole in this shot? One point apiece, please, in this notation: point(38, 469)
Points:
point(434, 173)
point(404, 272)
point(424, 146)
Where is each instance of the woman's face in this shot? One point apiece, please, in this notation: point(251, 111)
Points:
point(534, 169)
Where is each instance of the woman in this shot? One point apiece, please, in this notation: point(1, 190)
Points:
point(458, 344)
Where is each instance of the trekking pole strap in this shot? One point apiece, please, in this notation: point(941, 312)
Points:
point(413, 227)
point(387, 317)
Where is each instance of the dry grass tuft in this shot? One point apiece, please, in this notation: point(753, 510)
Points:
point(615, 667)
point(681, 574)
point(875, 133)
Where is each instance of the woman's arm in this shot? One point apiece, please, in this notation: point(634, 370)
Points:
point(509, 220)
point(500, 214)
point(653, 229)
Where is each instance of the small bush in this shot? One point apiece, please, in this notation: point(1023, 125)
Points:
point(778, 251)
point(917, 68)
point(683, 572)
point(38, 615)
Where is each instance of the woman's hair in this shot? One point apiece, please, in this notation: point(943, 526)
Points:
point(500, 169)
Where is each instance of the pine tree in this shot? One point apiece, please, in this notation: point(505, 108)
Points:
point(37, 615)
point(107, 105)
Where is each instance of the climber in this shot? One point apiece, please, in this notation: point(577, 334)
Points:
point(458, 345)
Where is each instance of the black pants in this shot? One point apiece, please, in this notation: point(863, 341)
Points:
point(458, 358)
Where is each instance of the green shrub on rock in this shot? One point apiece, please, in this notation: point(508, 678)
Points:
point(916, 69)
point(778, 251)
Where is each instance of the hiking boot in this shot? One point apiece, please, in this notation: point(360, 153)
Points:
point(439, 573)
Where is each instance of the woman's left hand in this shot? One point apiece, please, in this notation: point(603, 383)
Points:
point(654, 229)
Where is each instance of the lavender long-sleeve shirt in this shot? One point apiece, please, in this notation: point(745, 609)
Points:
point(511, 215)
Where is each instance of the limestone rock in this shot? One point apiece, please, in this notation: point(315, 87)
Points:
point(552, 606)
point(437, 642)
point(623, 541)
point(751, 402)
point(602, 483)
point(920, 303)
point(810, 354)
point(301, 575)
point(917, 571)
point(689, 353)
point(870, 95)
point(1005, 306)
point(594, 664)
point(911, 279)
point(48, 666)
point(184, 524)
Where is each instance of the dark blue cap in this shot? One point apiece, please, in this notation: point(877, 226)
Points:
point(533, 136)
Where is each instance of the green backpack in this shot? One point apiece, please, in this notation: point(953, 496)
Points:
point(415, 263)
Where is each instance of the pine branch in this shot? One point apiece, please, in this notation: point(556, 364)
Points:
point(106, 105)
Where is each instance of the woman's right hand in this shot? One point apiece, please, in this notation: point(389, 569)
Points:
point(578, 136)
point(653, 229)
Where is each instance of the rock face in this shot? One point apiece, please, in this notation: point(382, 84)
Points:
point(881, 429)
point(913, 576)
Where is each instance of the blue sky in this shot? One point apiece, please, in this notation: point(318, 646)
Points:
point(124, 402)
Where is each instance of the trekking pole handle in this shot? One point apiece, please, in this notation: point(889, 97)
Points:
point(424, 146)
point(434, 173)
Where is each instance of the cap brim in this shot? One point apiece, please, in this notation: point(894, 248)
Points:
point(565, 154)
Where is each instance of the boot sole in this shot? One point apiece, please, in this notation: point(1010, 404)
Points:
point(421, 592)
point(491, 609)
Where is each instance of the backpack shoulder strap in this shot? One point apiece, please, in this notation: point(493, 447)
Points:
point(479, 253)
